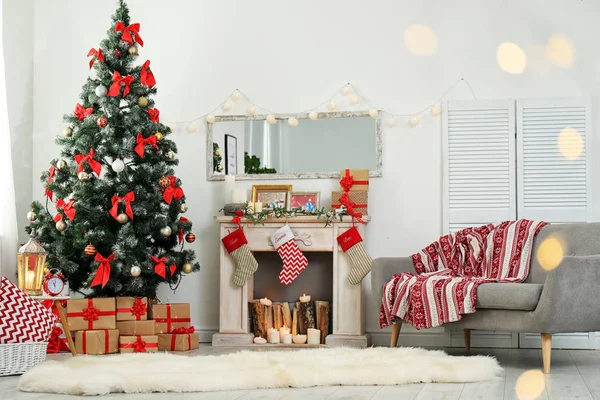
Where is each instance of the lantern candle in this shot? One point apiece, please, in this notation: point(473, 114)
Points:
point(31, 258)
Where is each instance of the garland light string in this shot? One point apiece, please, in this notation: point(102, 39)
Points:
point(347, 90)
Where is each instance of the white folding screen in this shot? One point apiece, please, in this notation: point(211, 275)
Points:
point(478, 162)
point(553, 164)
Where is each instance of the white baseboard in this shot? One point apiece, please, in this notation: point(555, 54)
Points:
point(410, 339)
point(206, 334)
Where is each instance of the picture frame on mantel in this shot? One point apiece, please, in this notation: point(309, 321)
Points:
point(304, 201)
point(271, 195)
point(231, 155)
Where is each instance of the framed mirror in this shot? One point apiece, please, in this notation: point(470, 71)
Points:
point(252, 148)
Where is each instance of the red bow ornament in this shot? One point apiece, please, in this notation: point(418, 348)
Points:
point(154, 114)
point(94, 165)
point(68, 208)
point(146, 75)
point(161, 269)
point(97, 55)
point(51, 173)
point(345, 201)
point(180, 231)
point(117, 82)
point(139, 308)
point(141, 143)
point(238, 218)
point(183, 331)
point(129, 33)
point(347, 182)
point(172, 192)
point(127, 199)
point(91, 314)
point(103, 271)
point(81, 112)
point(139, 346)
point(56, 343)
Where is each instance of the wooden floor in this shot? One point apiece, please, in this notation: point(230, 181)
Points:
point(575, 375)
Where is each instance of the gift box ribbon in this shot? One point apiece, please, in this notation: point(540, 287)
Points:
point(56, 343)
point(350, 207)
point(182, 331)
point(139, 346)
point(84, 342)
point(170, 320)
point(348, 181)
point(90, 314)
point(138, 309)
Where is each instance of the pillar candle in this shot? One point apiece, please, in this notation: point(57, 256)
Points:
point(274, 336)
point(286, 338)
point(239, 196)
point(258, 207)
point(228, 187)
point(283, 330)
point(314, 336)
point(269, 334)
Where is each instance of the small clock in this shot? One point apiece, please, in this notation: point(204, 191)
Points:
point(54, 283)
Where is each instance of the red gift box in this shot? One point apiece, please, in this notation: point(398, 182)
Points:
point(132, 308)
point(180, 339)
point(91, 314)
point(138, 344)
point(22, 319)
point(171, 316)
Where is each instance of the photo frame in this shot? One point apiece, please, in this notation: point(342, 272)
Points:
point(271, 195)
point(231, 155)
point(307, 202)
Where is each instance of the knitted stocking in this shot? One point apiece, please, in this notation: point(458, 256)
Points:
point(294, 262)
point(245, 263)
point(352, 244)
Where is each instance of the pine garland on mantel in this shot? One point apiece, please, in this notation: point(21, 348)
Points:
point(280, 212)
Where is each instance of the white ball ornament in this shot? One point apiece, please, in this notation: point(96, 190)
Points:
point(355, 100)
point(135, 271)
point(293, 121)
point(210, 119)
point(122, 218)
point(391, 122)
point(332, 105)
point(436, 110)
point(235, 96)
point(31, 216)
point(271, 119)
point(226, 106)
point(83, 176)
point(313, 115)
point(347, 90)
point(165, 231)
point(251, 110)
point(118, 165)
point(61, 225)
point(373, 113)
point(101, 91)
point(414, 121)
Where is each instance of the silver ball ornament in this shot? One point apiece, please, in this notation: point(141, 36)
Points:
point(170, 156)
point(118, 165)
point(83, 176)
point(101, 91)
point(133, 50)
point(61, 225)
point(31, 216)
point(135, 271)
point(165, 231)
point(122, 218)
point(61, 164)
point(183, 207)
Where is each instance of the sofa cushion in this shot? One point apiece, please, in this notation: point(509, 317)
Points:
point(508, 296)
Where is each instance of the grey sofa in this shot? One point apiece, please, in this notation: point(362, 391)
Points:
point(565, 299)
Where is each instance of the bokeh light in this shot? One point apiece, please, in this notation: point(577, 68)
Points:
point(420, 40)
point(550, 253)
point(560, 51)
point(530, 385)
point(511, 58)
point(570, 143)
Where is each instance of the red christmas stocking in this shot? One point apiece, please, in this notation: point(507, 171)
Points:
point(245, 263)
point(352, 244)
point(294, 262)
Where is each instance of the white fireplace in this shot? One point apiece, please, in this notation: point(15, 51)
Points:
point(311, 235)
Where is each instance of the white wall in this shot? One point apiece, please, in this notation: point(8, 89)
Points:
point(290, 58)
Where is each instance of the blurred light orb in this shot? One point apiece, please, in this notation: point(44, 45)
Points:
point(530, 385)
point(511, 58)
point(550, 253)
point(436, 110)
point(570, 143)
point(560, 51)
point(420, 40)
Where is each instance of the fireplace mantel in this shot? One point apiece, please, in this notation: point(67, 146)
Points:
point(311, 235)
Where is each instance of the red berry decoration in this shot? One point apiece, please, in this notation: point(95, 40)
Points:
point(117, 53)
point(89, 250)
point(102, 121)
point(190, 238)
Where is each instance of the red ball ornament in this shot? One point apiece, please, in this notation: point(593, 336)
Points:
point(190, 238)
point(89, 250)
point(117, 53)
point(102, 121)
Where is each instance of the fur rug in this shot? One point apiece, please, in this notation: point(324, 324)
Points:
point(167, 372)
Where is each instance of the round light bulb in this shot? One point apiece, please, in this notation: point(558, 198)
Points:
point(235, 96)
point(391, 122)
point(173, 128)
point(332, 105)
point(271, 119)
point(347, 90)
point(251, 110)
point(118, 165)
point(313, 115)
point(293, 121)
point(210, 119)
point(414, 121)
point(191, 127)
point(355, 100)
point(436, 110)
point(226, 106)
point(374, 113)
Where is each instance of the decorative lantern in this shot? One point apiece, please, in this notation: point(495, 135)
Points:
point(31, 258)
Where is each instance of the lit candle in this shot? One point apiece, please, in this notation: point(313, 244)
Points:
point(299, 339)
point(305, 298)
point(283, 330)
point(30, 276)
point(314, 336)
point(228, 188)
point(274, 336)
point(286, 338)
point(258, 207)
point(260, 340)
point(266, 302)
point(239, 196)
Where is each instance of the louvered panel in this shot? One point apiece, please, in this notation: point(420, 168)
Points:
point(479, 163)
point(552, 186)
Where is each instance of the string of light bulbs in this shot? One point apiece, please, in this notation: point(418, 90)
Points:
point(347, 90)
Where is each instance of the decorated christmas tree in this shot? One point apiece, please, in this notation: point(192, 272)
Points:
point(111, 219)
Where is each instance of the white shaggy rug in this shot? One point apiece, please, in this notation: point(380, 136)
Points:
point(166, 372)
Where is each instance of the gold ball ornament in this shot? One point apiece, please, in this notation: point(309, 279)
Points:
point(170, 156)
point(89, 250)
point(190, 238)
point(133, 50)
point(46, 270)
point(187, 268)
point(68, 131)
point(61, 225)
point(31, 216)
point(159, 136)
point(165, 231)
point(61, 164)
point(142, 101)
point(101, 122)
point(83, 176)
point(122, 218)
point(183, 207)
point(135, 271)
point(164, 182)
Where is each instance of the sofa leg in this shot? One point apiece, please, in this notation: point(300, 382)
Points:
point(546, 351)
point(395, 333)
point(467, 334)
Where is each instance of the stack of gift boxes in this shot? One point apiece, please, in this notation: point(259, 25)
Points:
point(128, 325)
point(353, 193)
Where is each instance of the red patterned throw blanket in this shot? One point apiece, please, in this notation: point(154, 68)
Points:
point(449, 271)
